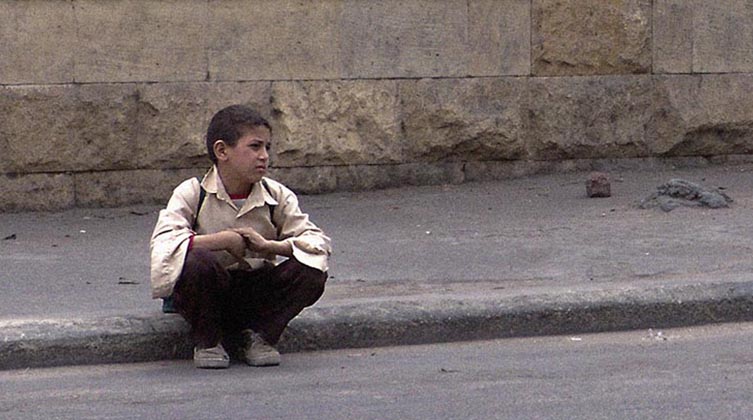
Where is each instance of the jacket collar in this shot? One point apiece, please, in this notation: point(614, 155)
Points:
point(258, 197)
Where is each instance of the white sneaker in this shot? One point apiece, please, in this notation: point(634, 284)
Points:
point(256, 350)
point(211, 358)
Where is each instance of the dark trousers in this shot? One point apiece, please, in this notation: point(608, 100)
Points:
point(217, 302)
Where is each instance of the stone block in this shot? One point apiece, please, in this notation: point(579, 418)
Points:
point(499, 37)
point(104, 128)
point(307, 180)
point(703, 37)
point(336, 123)
point(673, 36)
point(722, 36)
point(120, 188)
point(173, 119)
point(141, 40)
point(35, 38)
point(590, 117)
point(36, 192)
point(115, 126)
point(396, 38)
point(591, 37)
point(67, 128)
point(34, 119)
point(367, 177)
point(274, 40)
point(480, 171)
point(501, 170)
point(257, 95)
point(703, 115)
point(324, 179)
point(464, 119)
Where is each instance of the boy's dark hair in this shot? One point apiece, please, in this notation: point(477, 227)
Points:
point(230, 124)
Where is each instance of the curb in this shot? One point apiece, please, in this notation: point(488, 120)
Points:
point(130, 339)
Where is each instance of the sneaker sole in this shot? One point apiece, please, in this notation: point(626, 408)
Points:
point(211, 364)
point(271, 360)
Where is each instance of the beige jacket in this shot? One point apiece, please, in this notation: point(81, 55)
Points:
point(175, 226)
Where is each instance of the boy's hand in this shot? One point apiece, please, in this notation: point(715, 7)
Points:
point(234, 244)
point(253, 240)
point(257, 243)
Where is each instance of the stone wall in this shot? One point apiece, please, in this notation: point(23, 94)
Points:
point(105, 103)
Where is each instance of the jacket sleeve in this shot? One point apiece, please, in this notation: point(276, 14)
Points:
point(311, 246)
point(171, 236)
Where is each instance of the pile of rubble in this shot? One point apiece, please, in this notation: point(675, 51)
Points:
point(679, 192)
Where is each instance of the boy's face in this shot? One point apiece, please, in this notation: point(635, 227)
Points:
point(249, 158)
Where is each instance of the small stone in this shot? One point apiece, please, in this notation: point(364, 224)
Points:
point(598, 185)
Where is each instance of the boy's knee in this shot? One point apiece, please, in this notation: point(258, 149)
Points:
point(202, 269)
point(314, 281)
point(200, 260)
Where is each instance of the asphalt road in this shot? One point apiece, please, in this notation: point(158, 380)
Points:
point(702, 372)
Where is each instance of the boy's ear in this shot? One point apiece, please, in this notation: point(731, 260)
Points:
point(220, 149)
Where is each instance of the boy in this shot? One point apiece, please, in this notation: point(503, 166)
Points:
point(219, 261)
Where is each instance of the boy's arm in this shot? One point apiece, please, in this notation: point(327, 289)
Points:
point(257, 243)
point(227, 240)
point(306, 241)
point(171, 238)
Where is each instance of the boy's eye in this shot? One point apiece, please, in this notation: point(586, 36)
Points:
point(258, 146)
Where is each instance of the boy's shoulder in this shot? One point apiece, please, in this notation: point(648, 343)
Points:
point(186, 193)
point(189, 186)
point(276, 188)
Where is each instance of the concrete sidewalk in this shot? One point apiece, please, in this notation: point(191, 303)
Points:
point(412, 265)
